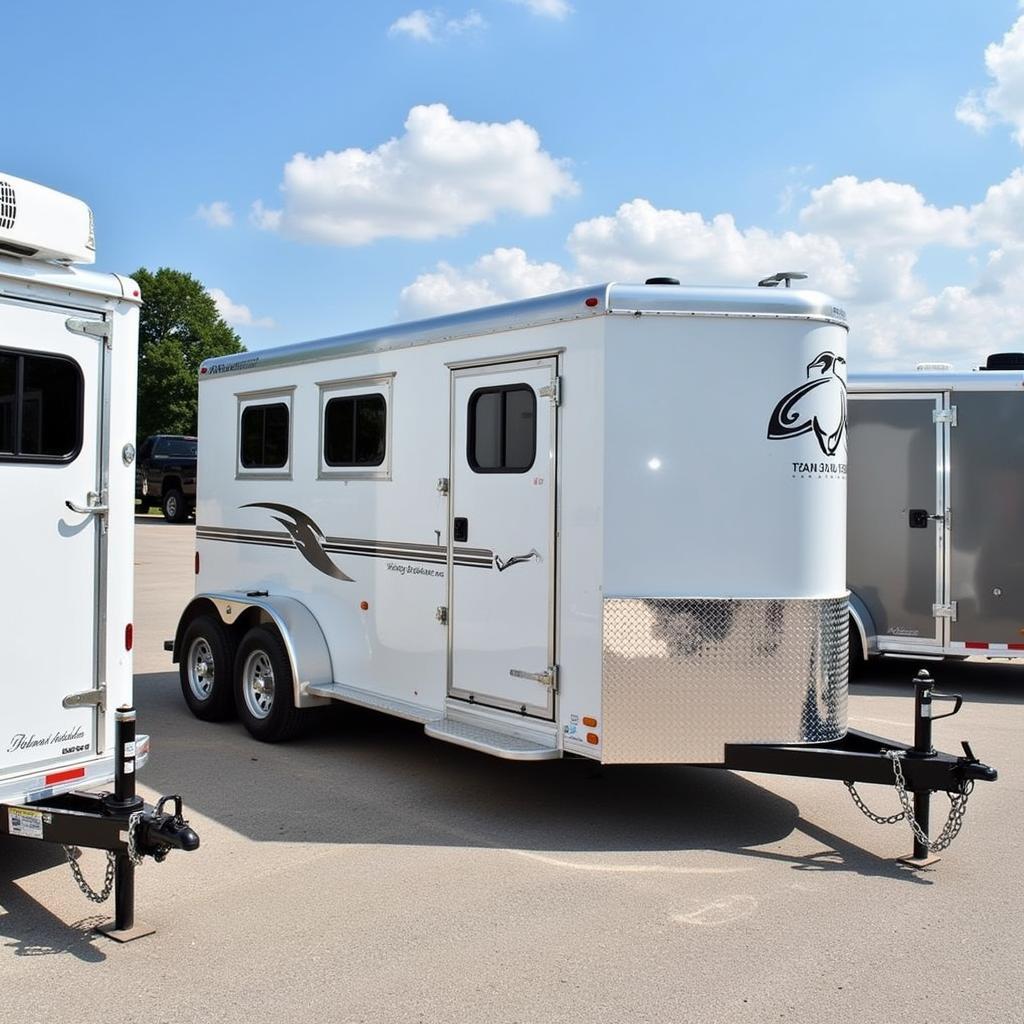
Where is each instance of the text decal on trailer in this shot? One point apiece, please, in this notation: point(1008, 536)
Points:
point(818, 405)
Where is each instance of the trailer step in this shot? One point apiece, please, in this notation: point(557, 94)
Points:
point(389, 705)
point(490, 741)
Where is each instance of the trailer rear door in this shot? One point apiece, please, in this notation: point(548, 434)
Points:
point(897, 527)
point(501, 536)
point(52, 405)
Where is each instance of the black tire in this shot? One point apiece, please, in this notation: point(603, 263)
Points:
point(206, 669)
point(857, 660)
point(174, 506)
point(270, 715)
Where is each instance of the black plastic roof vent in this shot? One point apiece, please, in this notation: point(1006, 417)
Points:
point(662, 280)
point(1005, 361)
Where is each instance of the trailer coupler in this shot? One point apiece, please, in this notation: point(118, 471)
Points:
point(919, 769)
point(121, 823)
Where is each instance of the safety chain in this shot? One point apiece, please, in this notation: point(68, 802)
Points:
point(957, 807)
point(73, 852)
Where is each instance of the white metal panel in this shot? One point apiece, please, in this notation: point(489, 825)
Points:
point(51, 612)
point(501, 613)
point(699, 501)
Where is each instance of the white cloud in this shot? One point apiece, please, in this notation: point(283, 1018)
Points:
point(437, 179)
point(236, 314)
point(883, 213)
point(217, 214)
point(1004, 99)
point(500, 276)
point(432, 26)
point(641, 241)
point(557, 9)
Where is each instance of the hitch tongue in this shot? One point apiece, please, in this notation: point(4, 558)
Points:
point(163, 832)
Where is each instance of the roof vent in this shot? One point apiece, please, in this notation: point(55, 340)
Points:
point(927, 367)
point(8, 205)
point(783, 275)
point(662, 280)
point(1005, 361)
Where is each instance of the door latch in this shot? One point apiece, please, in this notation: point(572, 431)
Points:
point(94, 505)
point(87, 698)
point(442, 615)
point(945, 611)
point(548, 678)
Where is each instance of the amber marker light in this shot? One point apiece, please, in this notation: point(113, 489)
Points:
point(592, 737)
point(365, 605)
point(590, 723)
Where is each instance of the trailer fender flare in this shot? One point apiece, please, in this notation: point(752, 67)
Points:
point(304, 640)
point(861, 621)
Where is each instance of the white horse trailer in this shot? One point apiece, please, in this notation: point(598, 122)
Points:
point(68, 357)
point(936, 506)
point(607, 523)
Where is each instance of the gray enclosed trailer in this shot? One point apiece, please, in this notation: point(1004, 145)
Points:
point(935, 544)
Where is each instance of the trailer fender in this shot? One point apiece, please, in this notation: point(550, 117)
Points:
point(861, 621)
point(303, 638)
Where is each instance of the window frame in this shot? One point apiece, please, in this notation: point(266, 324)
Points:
point(16, 458)
point(471, 402)
point(353, 387)
point(248, 400)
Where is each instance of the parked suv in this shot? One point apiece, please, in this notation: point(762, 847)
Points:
point(165, 475)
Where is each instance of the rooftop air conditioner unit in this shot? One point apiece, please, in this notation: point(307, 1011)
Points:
point(38, 223)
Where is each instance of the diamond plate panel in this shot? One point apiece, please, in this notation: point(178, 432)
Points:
point(683, 676)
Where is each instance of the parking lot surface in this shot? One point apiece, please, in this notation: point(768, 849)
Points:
point(367, 873)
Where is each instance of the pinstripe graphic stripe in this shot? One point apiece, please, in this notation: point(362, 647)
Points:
point(403, 552)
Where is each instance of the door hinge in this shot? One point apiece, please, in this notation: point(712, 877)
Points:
point(945, 611)
point(87, 697)
point(442, 485)
point(442, 615)
point(553, 391)
point(94, 328)
point(549, 677)
point(945, 415)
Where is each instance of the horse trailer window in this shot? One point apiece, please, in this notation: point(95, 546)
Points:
point(40, 407)
point(355, 430)
point(502, 436)
point(264, 436)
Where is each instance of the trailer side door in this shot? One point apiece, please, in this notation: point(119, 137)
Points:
point(52, 408)
point(501, 547)
point(896, 533)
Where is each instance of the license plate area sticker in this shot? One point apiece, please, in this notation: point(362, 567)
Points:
point(24, 821)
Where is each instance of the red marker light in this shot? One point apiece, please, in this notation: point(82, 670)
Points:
point(129, 637)
point(202, 369)
point(197, 563)
point(592, 301)
point(135, 294)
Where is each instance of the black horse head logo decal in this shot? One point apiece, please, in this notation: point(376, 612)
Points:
point(307, 537)
point(818, 405)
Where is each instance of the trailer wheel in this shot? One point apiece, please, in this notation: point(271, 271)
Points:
point(174, 506)
point(856, 651)
point(207, 663)
point(263, 687)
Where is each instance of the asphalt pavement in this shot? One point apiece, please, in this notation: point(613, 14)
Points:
point(365, 873)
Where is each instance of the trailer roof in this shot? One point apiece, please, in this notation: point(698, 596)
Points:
point(938, 380)
point(784, 303)
point(70, 279)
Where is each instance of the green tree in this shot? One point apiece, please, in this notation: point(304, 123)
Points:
point(179, 327)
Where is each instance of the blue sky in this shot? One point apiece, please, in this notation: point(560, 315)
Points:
point(539, 144)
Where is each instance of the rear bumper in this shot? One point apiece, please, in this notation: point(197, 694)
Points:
point(44, 783)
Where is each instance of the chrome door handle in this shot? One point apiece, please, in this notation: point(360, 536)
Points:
point(91, 508)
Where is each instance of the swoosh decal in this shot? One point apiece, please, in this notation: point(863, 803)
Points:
point(307, 537)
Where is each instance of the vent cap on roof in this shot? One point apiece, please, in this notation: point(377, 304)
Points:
point(1005, 361)
point(41, 223)
point(923, 367)
point(662, 280)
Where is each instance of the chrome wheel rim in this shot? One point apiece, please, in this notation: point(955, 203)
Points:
point(172, 507)
point(200, 668)
point(258, 684)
